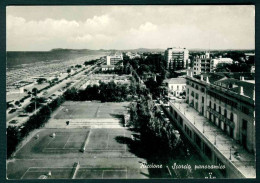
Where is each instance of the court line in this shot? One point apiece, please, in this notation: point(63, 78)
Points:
point(103, 174)
point(60, 148)
point(25, 172)
point(126, 173)
point(107, 140)
point(52, 167)
point(52, 170)
point(49, 142)
point(66, 142)
point(85, 145)
point(114, 170)
point(125, 144)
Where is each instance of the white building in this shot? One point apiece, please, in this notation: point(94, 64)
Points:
point(107, 67)
point(202, 64)
point(113, 59)
point(177, 58)
point(214, 62)
point(175, 86)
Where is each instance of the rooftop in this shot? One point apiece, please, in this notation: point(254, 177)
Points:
point(175, 81)
point(248, 87)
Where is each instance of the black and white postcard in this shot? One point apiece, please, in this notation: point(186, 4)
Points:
point(130, 92)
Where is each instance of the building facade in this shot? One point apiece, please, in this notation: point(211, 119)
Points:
point(175, 86)
point(219, 119)
point(113, 59)
point(226, 104)
point(201, 64)
point(177, 58)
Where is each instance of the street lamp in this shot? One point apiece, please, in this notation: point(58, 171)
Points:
point(230, 153)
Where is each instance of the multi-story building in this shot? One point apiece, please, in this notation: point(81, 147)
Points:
point(214, 62)
point(219, 119)
point(175, 86)
point(201, 64)
point(113, 59)
point(177, 58)
point(205, 64)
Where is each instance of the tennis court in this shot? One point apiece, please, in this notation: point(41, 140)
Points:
point(85, 110)
point(64, 141)
point(56, 172)
point(105, 140)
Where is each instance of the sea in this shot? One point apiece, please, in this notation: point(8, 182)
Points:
point(21, 65)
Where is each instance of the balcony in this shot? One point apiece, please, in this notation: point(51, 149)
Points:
point(221, 117)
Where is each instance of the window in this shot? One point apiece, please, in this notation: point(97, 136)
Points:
point(177, 87)
point(215, 107)
point(188, 91)
point(202, 100)
point(181, 121)
point(231, 117)
point(197, 96)
point(244, 125)
point(225, 113)
point(245, 110)
point(219, 110)
point(210, 104)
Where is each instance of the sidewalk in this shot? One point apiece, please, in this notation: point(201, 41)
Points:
point(221, 141)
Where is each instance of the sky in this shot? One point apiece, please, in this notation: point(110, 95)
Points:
point(42, 28)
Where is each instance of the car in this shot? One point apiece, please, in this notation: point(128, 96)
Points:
point(12, 111)
point(23, 115)
point(13, 122)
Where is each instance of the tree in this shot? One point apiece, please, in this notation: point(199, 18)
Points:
point(41, 80)
point(34, 91)
point(13, 138)
point(68, 70)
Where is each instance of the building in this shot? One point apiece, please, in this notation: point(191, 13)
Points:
point(107, 67)
point(132, 55)
point(175, 86)
point(201, 64)
point(177, 58)
point(113, 59)
point(214, 62)
point(219, 119)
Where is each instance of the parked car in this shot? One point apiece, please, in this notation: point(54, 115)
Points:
point(13, 122)
point(12, 111)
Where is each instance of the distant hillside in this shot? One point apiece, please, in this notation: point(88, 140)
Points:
point(140, 50)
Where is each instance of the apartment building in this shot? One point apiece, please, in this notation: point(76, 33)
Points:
point(177, 58)
point(219, 119)
point(113, 59)
point(201, 64)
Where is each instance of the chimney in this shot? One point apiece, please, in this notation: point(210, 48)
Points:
point(241, 90)
point(242, 78)
point(207, 79)
point(201, 77)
